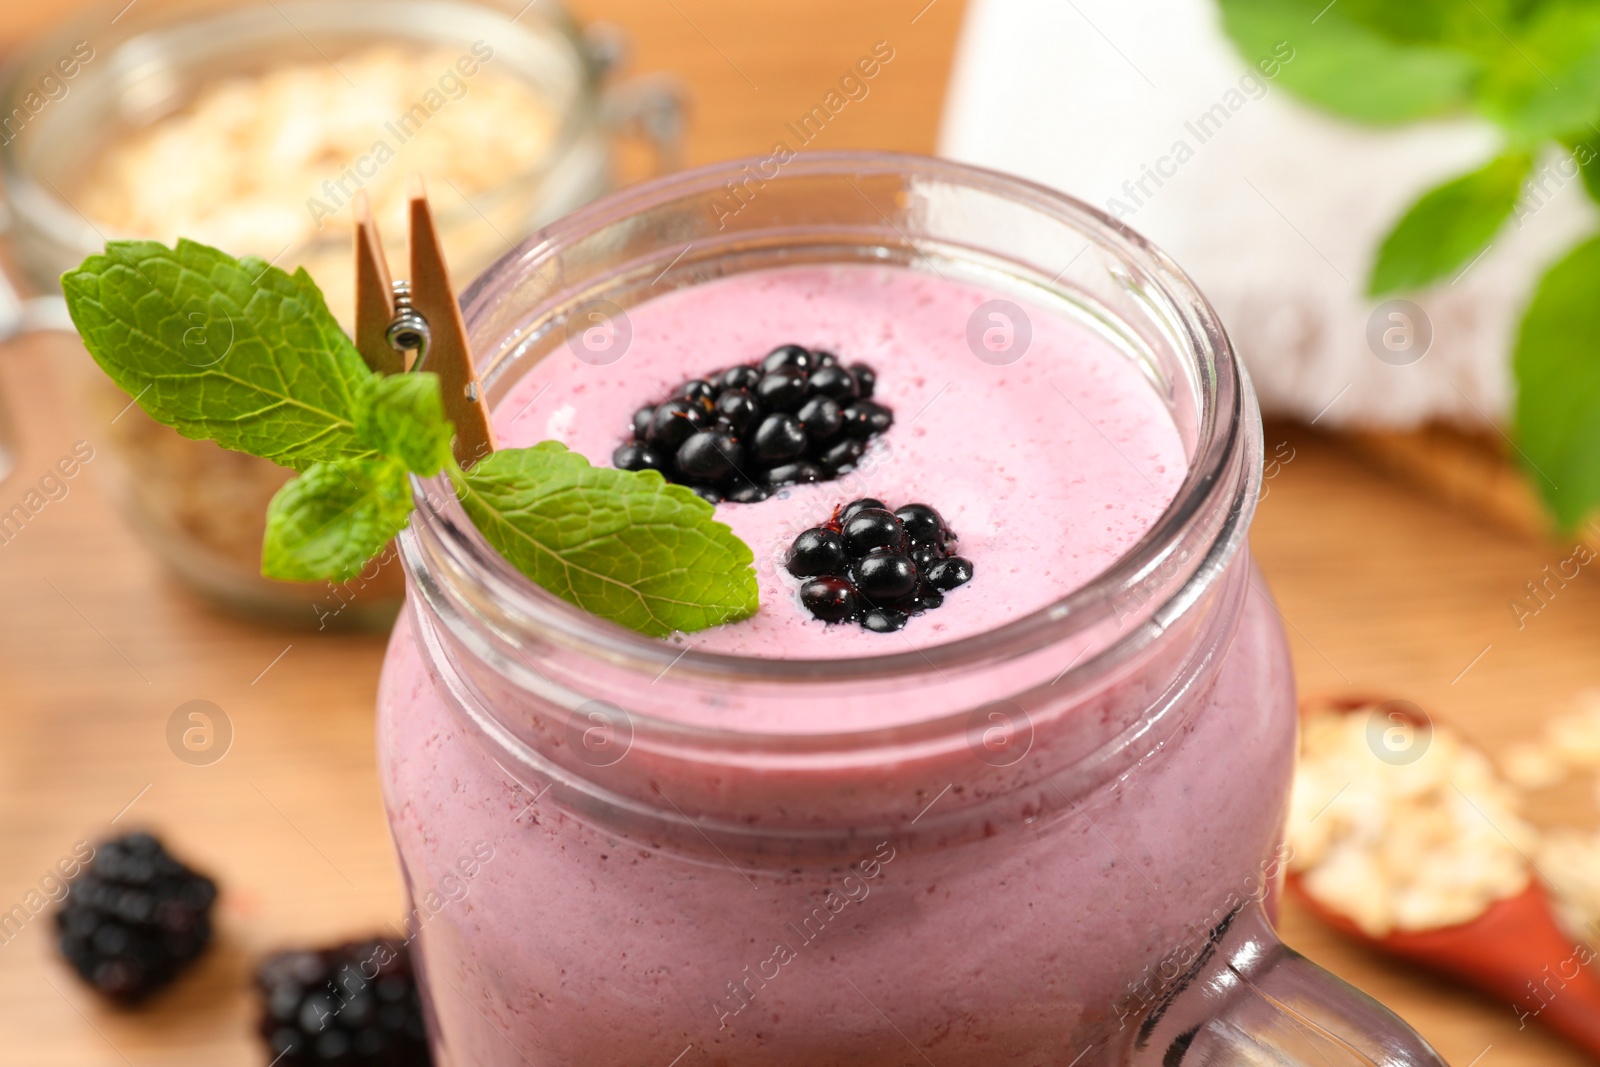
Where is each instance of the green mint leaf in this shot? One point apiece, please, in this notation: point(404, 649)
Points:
point(1448, 226)
point(1586, 152)
point(402, 415)
point(1435, 22)
point(1558, 385)
point(626, 546)
point(233, 350)
point(1347, 67)
point(326, 523)
point(1545, 81)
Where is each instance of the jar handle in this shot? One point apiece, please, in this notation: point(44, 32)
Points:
point(1248, 998)
point(650, 108)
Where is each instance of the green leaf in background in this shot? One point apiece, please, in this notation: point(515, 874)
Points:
point(1350, 68)
point(1587, 154)
point(1558, 385)
point(1545, 83)
point(326, 523)
point(228, 349)
point(1464, 27)
point(625, 546)
point(1532, 67)
point(402, 415)
point(1449, 225)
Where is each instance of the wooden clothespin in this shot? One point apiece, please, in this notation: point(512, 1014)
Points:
point(419, 315)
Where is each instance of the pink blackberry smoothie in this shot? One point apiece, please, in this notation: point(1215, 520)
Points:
point(929, 897)
point(1048, 468)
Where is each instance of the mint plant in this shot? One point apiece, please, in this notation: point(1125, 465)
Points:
point(1532, 67)
point(244, 354)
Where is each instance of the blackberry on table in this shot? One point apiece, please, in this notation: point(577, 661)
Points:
point(877, 567)
point(135, 918)
point(352, 1004)
point(793, 417)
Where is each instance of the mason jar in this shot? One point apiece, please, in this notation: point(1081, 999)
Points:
point(110, 77)
point(1066, 852)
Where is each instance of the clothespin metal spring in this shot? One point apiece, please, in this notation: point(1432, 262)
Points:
point(408, 330)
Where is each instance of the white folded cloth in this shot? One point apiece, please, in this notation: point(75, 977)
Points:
point(1143, 108)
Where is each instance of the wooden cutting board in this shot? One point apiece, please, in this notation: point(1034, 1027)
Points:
point(1474, 471)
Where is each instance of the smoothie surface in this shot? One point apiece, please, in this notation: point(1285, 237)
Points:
point(1047, 468)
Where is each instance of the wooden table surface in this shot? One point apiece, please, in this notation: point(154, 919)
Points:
point(1382, 590)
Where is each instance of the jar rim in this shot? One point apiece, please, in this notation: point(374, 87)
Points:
point(1217, 481)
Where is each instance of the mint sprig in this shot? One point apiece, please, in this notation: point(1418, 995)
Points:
point(231, 350)
point(242, 353)
point(341, 512)
point(1532, 67)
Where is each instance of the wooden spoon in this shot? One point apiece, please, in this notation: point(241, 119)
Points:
point(1513, 950)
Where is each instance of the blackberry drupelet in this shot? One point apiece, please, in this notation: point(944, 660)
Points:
point(796, 416)
point(869, 565)
point(353, 1004)
point(830, 599)
point(817, 552)
point(135, 918)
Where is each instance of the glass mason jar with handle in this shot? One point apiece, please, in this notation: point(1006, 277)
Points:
point(1067, 854)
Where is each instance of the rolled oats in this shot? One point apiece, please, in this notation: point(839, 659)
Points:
point(1403, 845)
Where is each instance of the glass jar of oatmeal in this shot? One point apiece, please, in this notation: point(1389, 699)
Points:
point(1040, 825)
point(251, 126)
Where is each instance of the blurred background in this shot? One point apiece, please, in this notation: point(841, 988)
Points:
point(1430, 470)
